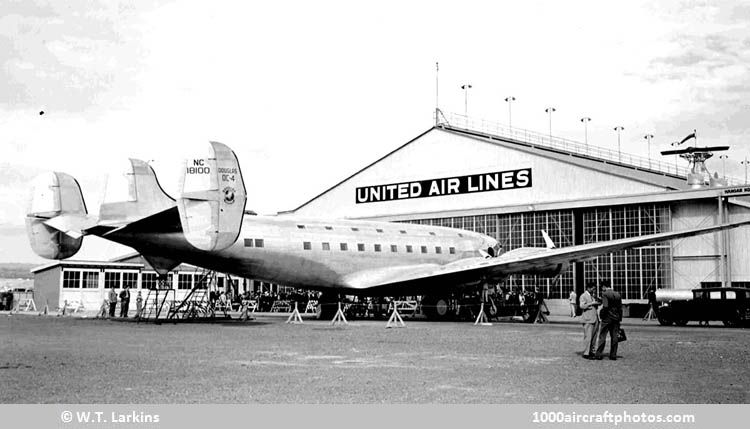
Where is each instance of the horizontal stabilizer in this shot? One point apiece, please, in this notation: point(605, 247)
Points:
point(57, 216)
point(212, 202)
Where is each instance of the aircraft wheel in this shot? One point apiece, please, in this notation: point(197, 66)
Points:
point(664, 321)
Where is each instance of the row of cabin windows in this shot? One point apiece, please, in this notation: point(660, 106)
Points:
point(355, 229)
point(307, 245)
point(258, 242)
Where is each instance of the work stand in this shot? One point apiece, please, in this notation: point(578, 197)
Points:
point(295, 317)
point(395, 321)
point(339, 317)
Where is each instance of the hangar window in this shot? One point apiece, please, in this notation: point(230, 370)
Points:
point(394, 248)
point(326, 246)
point(379, 230)
point(259, 242)
point(438, 250)
point(355, 229)
point(129, 279)
point(112, 280)
point(409, 249)
point(71, 279)
point(248, 242)
point(344, 246)
point(91, 279)
point(306, 245)
point(329, 227)
point(452, 250)
point(361, 247)
point(377, 248)
point(301, 226)
point(424, 249)
point(148, 281)
point(184, 281)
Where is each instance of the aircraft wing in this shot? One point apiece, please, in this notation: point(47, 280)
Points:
point(422, 278)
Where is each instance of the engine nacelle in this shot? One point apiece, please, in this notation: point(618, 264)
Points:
point(55, 196)
point(212, 201)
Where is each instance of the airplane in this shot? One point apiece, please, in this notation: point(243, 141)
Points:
point(208, 226)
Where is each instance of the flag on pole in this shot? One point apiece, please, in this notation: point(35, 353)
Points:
point(690, 136)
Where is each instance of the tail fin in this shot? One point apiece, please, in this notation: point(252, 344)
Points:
point(133, 194)
point(212, 202)
point(57, 216)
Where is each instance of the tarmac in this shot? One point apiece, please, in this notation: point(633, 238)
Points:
point(47, 359)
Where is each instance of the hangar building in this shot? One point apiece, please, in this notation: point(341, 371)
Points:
point(88, 282)
point(511, 184)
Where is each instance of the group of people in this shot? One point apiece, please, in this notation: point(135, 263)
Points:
point(124, 297)
point(599, 318)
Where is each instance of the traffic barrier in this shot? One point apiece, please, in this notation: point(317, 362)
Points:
point(339, 317)
point(312, 306)
point(294, 318)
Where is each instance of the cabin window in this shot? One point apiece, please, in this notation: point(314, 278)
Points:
point(438, 250)
point(300, 226)
point(355, 229)
point(714, 294)
point(306, 245)
point(731, 294)
point(344, 246)
point(403, 231)
point(409, 249)
point(394, 248)
point(432, 233)
point(424, 249)
point(377, 248)
point(329, 227)
point(460, 235)
point(452, 250)
point(361, 247)
point(326, 246)
point(379, 230)
point(259, 242)
point(248, 242)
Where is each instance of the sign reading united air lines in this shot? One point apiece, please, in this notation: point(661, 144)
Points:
point(483, 182)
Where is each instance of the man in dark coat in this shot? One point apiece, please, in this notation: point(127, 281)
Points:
point(610, 317)
point(112, 301)
point(124, 301)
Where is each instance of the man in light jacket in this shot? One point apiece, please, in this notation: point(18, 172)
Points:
point(590, 320)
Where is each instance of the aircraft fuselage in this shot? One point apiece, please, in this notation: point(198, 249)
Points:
point(321, 254)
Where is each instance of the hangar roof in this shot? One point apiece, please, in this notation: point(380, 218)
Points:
point(654, 174)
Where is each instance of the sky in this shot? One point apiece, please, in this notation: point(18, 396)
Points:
point(307, 93)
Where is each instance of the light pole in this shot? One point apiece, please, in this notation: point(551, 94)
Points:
point(648, 138)
point(550, 110)
point(723, 159)
point(466, 87)
point(510, 99)
point(745, 162)
point(586, 121)
point(619, 152)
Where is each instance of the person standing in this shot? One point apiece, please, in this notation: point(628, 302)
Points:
point(138, 305)
point(590, 321)
point(611, 315)
point(572, 301)
point(112, 301)
point(124, 301)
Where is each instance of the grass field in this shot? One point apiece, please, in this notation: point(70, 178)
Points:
point(67, 360)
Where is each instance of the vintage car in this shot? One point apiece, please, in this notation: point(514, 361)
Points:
point(731, 305)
